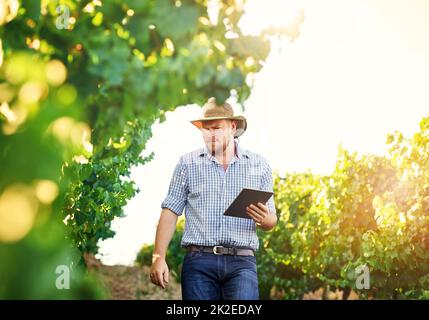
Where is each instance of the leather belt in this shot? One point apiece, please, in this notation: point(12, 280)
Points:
point(221, 250)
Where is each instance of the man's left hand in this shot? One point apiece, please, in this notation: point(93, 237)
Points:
point(258, 213)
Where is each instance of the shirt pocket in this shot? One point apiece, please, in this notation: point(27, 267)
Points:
point(199, 186)
point(252, 179)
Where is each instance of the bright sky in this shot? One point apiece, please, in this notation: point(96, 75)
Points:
point(358, 70)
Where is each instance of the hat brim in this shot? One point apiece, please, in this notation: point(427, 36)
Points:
point(241, 123)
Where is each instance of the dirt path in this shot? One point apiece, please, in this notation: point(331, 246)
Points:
point(131, 283)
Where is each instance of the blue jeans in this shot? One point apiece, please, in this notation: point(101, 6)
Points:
point(206, 276)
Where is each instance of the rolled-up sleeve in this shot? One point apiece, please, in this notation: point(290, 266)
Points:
point(176, 198)
point(267, 185)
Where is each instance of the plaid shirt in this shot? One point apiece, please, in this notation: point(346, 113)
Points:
point(201, 185)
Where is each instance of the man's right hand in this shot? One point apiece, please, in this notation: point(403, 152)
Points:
point(159, 272)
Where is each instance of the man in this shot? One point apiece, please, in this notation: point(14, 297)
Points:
point(220, 262)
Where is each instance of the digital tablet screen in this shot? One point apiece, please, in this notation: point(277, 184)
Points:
point(245, 198)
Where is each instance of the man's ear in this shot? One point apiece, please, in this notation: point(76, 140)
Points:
point(234, 125)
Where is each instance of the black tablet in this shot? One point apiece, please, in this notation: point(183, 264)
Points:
point(245, 198)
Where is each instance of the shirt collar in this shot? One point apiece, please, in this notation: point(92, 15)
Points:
point(240, 151)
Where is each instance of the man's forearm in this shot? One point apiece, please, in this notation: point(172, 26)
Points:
point(269, 222)
point(164, 233)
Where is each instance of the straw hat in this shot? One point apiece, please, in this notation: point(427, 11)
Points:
point(211, 111)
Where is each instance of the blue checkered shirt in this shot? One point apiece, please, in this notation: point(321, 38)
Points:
point(202, 187)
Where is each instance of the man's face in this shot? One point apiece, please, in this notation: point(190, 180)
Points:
point(217, 135)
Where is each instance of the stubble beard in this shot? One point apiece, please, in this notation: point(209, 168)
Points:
point(220, 150)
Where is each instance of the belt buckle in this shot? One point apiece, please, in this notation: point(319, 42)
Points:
point(215, 252)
